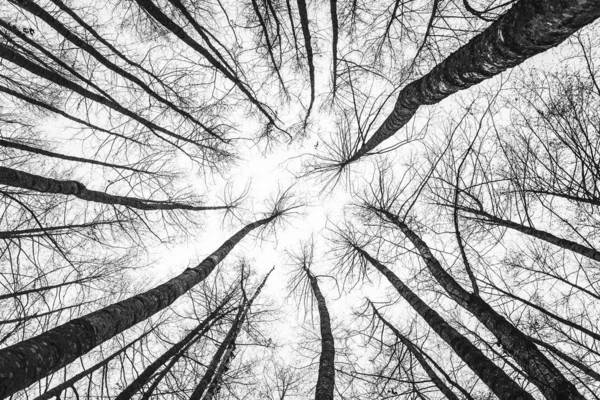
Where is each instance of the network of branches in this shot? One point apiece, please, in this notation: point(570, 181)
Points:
point(291, 199)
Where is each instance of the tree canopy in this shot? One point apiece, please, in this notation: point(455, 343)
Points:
point(291, 199)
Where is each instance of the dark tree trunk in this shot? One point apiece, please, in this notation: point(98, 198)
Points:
point(221, 358)
point(334, 42)
point(536, 233)
point(48, 287)
point(489, 373)
point(437, 381)
point(530, 27)
point(57, 390)
point(9, 54)
point(41, 184)
point(304, 23)
point(581, 366)
point(31, 360)
point(73, 38)
point(540, 370)
point(146, 375)
point(41, 104)
point(49, 54)
point(36, 150)
point(164, 20)
point(52, 230)
point(326, 379)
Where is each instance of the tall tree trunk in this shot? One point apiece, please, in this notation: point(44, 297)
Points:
point(36, 150)
point(48, 287)
point(540, 370)
point(57, 390)
point(143, 378)
point(49, 107)
point(164, 20)
point(18, 59)
point(489, 373)
point(334, 43)
point(437, 381)
point(326, 380)
point(42, 184)
point(82, 44)
point(304, 23)
point(31, 360)
point(215, 369)
point(53, 230)
point(530, 27)
point(15, 31)
point(218, 376)
point(466, 395)
point(536, 233)
point(543, 310)
point(584, 368)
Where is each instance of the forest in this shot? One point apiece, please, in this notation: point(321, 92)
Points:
point(294, 199)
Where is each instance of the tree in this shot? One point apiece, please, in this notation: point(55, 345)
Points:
point(135, 135)
point(494, 377)
point(29, 361)
point(525, 30)
point(303, 261)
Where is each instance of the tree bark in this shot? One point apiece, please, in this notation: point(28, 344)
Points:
point(36, 150)
point(581, 366)
point(334, 42)
point(143, 378)
point(220, 359)
point(164, 20)
point(48, 287)
point(9, 54)
point(540, 370)
point(57, 390)
point(536, 233)
point(490, 374)
point(77, 41)
point(304, 23)
point(530, 27)
point(12, 177)
point(326, 379)
point(437, 381)
point(31, 360)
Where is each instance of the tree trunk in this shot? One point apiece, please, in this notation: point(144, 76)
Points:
point(48, 287)
point(31, 149)
point(143, 378)
point(530, 27)
point(9, 54)
point(490, 374)
point(581, 366)
point(326, 380)
point(57, 60)
point(42, 184)
point(31, 360)
point(334, 43)
point(540, 370)
point(304, 24)
point(215, 369)
point(73, 38)
point(57, 390)
point(420, 358)
point(155, 12)
point(46, 106)
point(536, 233)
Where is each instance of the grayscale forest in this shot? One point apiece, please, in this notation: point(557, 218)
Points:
point(297, 199)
